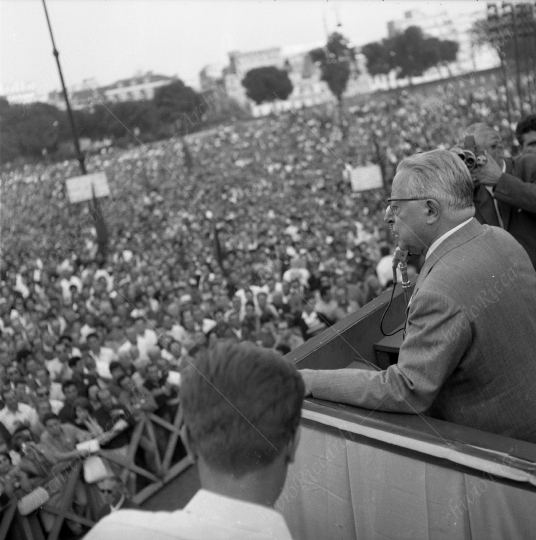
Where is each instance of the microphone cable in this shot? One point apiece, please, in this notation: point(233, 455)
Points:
point(399, 260)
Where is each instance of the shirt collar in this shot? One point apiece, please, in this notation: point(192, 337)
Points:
point(118, 505)
point(443, 237)
point(243, 515)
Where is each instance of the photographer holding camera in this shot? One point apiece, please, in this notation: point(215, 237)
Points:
point(505, 188)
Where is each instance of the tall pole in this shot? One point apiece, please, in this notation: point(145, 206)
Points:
point(94, 208)
point(56, 54)
point(505, 78)
point(509, 12)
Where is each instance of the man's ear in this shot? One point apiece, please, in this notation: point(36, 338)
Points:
point(292, 446)
point(189, 443)
point(433, 210)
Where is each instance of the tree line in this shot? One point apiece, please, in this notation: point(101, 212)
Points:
point(32, 131)
point(39, 129)
point(408, 54)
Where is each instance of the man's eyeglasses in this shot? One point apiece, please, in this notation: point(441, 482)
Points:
point(42, 394)
point(394, 209)
point(107, 491)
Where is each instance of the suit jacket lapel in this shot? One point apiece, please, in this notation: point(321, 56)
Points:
point(466, 233)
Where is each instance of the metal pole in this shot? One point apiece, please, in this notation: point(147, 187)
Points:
point(503, 69)
point(94, 208)
point(516, 53)
point(56, 54)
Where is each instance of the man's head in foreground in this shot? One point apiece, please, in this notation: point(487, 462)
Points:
point(431, 194)
point(241, 408)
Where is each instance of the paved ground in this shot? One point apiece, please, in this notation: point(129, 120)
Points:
point(177, 493)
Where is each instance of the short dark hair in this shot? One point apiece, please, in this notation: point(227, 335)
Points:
point(241, 405)
point(74, 360)
point(525, 125)
point(66, 384)
point(92, 335)
point(49, 416)
point(114, 364)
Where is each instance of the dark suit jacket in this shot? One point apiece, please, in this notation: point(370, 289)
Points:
point(516, 195)
point(469, 352)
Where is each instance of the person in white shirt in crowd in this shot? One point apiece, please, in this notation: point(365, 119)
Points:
point(89, 327)
point(67, 281)
point(131, 344)
point(384, 268)
point(326, 305)
point(297, 271)
point(202, 323)
point(15, 414)
point(58, 367)
point(146, 337)
point(102, 355)
point(173, 329)
point(255, 397)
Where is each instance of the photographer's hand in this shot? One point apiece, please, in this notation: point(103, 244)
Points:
point(489, 173)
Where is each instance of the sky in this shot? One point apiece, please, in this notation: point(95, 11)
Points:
point(110, 40)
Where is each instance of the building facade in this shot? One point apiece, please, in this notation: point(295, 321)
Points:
point(308, 87)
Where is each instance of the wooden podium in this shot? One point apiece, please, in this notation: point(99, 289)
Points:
point(362, 474)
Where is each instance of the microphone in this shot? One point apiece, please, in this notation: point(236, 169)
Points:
point(400, 260)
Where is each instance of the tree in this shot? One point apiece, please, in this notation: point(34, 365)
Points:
point(413, 52)
point(337, 60)
point(179, 105)
point(378, 58)
point(267, 84)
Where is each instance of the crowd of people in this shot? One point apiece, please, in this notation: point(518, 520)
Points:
point(247, 233)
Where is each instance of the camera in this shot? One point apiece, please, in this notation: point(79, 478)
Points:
point(469, 155)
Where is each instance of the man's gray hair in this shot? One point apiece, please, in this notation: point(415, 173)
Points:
point(439, 175)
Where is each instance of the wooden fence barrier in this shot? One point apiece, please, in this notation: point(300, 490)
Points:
point(144, 482)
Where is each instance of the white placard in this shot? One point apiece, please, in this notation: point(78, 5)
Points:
point(174, 377)
point(91, 446)
point(365, 178)
point(80, 188)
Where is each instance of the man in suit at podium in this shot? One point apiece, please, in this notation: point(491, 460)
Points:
point(468, 353)
point(505, 188)
point(242, 407)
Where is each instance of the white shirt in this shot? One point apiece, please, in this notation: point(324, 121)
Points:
point(103, 360)
point(55, 367)
point(384, 270)
point(23, 415)
point(444, 237)
point(177, 332)
point(207, 516)
point(145, 342)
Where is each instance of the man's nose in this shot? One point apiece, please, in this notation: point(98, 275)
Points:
point(389, 216)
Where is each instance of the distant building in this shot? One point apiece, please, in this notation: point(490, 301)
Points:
point(308, 88)
point(89, 93)
point(140, 87)
point(22, 94)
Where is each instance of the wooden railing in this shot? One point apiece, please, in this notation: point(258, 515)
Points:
point(143, 482)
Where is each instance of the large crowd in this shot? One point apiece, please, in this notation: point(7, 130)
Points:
point(248, 232)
